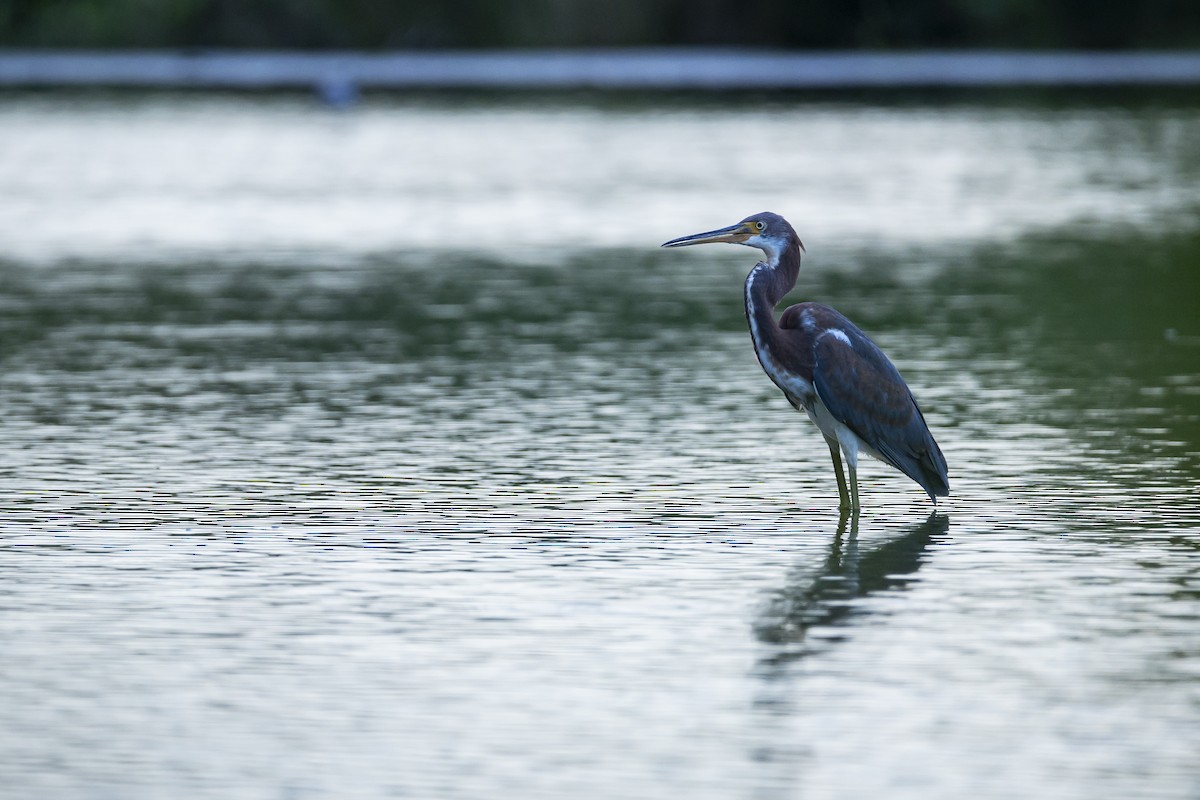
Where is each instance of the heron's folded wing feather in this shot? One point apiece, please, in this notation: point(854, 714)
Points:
point(865, 392)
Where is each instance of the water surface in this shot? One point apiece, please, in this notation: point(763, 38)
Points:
point(382, 454)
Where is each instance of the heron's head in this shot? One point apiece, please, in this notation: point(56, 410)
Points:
point(768, 232)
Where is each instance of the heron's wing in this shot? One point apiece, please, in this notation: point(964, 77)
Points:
point(864, 391)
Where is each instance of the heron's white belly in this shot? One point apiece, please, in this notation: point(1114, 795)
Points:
point(849, 441)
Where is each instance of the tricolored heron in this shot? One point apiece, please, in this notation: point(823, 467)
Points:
point(828, 368)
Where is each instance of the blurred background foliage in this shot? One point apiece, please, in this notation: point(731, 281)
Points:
point(385, 24)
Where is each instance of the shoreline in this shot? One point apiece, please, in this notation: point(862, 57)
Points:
point(616, 69)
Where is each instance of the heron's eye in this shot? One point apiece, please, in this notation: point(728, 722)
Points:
point(760, 225)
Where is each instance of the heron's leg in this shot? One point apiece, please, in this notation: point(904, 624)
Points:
point(852, 468)
point(850, 449)
point(835, 453)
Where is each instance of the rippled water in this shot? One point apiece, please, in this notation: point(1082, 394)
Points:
point(382, 454)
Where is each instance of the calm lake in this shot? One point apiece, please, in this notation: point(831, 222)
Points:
point(383, 453)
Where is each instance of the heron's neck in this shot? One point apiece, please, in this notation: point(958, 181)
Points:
point(766, 285)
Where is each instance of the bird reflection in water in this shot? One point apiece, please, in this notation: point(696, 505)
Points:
point(828, 600)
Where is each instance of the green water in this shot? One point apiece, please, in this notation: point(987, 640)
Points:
point(385, 454)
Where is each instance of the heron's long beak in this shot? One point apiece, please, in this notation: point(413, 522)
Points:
point(734, 234)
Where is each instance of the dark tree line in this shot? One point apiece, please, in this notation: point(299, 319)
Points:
point(377, 24)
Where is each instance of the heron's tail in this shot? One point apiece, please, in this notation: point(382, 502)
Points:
point(931, 472)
